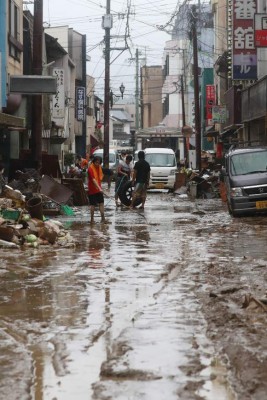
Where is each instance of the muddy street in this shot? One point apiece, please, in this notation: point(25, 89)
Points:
point(167, 303)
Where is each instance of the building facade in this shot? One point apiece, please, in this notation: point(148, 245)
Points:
point(151, 97)
point(11, 63)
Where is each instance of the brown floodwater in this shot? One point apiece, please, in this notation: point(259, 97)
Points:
point(117, 317)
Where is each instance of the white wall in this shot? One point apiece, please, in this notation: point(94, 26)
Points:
point(176, 50)
point(61, 34)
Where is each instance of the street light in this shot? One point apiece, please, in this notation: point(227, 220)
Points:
point(122, 88)
point(111, 94)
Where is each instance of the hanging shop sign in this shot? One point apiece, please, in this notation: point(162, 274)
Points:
point(210, 102)
point(80, 103)
point(260, 26)
point(219, 114)
point(244, 60)
point(58, 108)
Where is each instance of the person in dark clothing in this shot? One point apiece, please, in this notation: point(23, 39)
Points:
point(141, 175)
point(2, 179)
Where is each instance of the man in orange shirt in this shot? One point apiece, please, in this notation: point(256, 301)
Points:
point(95, 192)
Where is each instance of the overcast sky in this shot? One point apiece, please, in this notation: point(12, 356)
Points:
point(85, 16)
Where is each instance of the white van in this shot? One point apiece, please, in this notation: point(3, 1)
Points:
point(113, 158)
point(163, 167)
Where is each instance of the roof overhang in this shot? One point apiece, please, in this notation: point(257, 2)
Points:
point(231, 130)
point(159, 132)
point(11, 121)
point(94, 141)
point(57, 139)
point(211, 132)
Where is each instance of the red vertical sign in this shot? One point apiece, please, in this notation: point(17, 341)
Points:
point(210, 102)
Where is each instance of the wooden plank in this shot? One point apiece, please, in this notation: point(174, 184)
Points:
point(79, 194)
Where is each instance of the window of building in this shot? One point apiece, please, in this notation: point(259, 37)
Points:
point(166, 70)
point(15, 46)
point(165, 106)
point(89, 107)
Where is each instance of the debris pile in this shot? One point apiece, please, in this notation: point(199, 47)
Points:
point(27, 182)
point(32, 232)
point(22, 221)
point(251, 303)
point(204, 184)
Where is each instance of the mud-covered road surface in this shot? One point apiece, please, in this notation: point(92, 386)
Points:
point(167, 303)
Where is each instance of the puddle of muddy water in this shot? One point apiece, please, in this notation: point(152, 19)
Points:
point(84, 369)
point(216, 382)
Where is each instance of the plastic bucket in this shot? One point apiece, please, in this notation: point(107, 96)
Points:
point(35, 208)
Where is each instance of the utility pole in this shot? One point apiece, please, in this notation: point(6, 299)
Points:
point(142, 97)
point(107, 25)
point(183, 117)
point(196, 89)
point(183, 86)
point(37, 100)
point(137, 91)
point(84, 84)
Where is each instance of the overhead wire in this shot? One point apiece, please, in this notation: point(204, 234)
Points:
point(143, 10)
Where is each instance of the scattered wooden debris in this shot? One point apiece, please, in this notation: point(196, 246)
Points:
point(253, 304)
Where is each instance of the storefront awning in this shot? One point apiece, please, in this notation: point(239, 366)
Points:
point(211, 132)
point(231, 130)
point(57, 139)
point(94, 142)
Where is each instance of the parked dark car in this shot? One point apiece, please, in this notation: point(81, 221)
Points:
point(245, 177)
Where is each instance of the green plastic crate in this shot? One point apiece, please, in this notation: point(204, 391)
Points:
point(10, 214)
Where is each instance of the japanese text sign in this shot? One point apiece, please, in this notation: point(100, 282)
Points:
point(80, 103)
point(210, 102)
point(58, 107)
point(244, 52)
